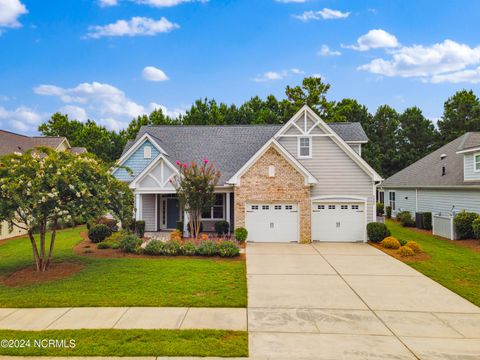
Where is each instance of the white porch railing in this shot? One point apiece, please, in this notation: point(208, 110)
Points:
point(443, 226)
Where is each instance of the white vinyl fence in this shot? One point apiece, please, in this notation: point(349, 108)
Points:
point(443, 226)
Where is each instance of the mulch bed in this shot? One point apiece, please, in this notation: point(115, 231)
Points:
point(28, 275)
point(89, 249)
point(394, 253)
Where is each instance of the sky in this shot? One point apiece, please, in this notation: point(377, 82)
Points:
point(111, 60)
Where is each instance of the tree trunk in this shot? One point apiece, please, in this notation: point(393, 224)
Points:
point(43, 230)
point(52, 242)
point(36, 257)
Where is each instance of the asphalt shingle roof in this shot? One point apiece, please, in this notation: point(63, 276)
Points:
point(229, 146)
point(11, 142)
point(427, 171)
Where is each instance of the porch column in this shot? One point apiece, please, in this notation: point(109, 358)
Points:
point(227, 210)
point(186, 219)
point(138, 205)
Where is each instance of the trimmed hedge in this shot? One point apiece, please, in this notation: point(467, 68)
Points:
point(140, 228)
point(380, 209)
point(377, 231)
point(476, 228)
point(222, 227)
point(98, 233)
point(388, 212)
point(205, 248)
point(240, 234)
point(464, 224)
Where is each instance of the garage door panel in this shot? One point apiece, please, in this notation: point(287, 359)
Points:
point(337, 221)
point(272, 222)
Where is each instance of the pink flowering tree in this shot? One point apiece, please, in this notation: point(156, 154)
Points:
point(195, 188)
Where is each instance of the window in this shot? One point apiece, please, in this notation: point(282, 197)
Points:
point(288, 207)
point(271, 171)
point(254, 207)
point(147, 152)
point(321, 207)
point(265, 207)
point(217, 210)
point(345, 207)
point(476, 159)
point(278, 207)
point(331, 207)
point(391, 197)
point(354, 207)
point(304, 147)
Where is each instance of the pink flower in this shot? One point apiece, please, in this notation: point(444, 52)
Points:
point(184, 166)
point(177, 162)
point(205, 161)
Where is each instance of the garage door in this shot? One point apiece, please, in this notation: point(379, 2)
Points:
point(338, 221)
point(272, 222)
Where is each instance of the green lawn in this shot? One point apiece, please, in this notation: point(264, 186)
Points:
point(125, 281)
point(130, 343)
point(453, 266)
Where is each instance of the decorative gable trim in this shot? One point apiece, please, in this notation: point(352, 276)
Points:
point(305, 111)
point(309, 178)
point(146, 172)
point(137, 144)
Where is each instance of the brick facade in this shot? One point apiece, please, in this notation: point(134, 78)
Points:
point(288, 185)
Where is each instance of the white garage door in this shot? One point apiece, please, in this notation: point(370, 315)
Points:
point(338, 221)
point(272, 222)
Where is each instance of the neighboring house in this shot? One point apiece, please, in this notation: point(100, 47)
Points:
point(443, 182)
point(301, 181)
point(11, 142)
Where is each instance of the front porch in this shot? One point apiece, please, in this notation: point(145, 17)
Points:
point(162, 212)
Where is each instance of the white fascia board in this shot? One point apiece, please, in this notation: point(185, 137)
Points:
point(469, 150)
point(150, 166)
point(309, 178)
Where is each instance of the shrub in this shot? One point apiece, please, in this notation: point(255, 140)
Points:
point(171, 248)
point(98, 233)
point(114, 239)
point(176, 235)
point(188, 249)
point(390, 243)
point(414, 246)
point(476, 227)
point(140, 228)
point(463, 223)
point(405, 251)
point(154, 247)
point(222, 227)
point(380, 209)
point(240, 234)
point(111, 223)
point(402, 242)
point(203, 236)
point(388, 212)
point(207, 248)
point(427, 221)
point(103, 245)
point(228, 249)
point(130, 243)
point(377, 231)
point(179, 226)
point(405, 218)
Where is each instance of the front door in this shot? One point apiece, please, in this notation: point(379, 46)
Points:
point(173, 212)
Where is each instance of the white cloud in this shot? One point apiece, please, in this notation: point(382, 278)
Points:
point(107, 3)
point(166, 3)
point(23, 119)
point(442, 62)
point(325, 51)
point(136, 26)
point(10, 10)
point(277, 75)
point(374, 39)
point(151, 73)
point(74, 112)
point(325, 14)
point(105, 103)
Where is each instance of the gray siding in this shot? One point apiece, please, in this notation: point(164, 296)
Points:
point(469, 168)
point(438, 201)
point(336, 172)
point(405, 200)
point(148, 211)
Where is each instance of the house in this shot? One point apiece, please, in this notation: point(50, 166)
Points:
point(11, 142)
point(301, 181)
point(443, 182)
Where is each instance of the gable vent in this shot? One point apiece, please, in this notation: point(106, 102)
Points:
point(444, 170)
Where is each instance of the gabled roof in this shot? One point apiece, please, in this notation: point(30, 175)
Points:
point(11, 142)
point(471, 142)
point(349, 131)
point(427, 172)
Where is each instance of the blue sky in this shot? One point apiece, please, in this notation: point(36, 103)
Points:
point(110, 60)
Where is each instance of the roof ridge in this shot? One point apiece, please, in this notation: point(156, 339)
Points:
point(13, 133)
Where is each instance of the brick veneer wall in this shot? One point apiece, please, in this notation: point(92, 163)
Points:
point(288, 185)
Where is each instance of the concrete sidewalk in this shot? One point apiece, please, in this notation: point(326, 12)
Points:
point(123, 318)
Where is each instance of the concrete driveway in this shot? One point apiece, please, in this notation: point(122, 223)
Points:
point(352, 301)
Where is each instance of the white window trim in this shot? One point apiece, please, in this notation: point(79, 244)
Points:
point(309, 147)
point(475, 163)
point(211, 211)
point(147, 152)
point(394, 207)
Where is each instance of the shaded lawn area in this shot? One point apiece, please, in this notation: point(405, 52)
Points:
point(197, 282)
point(452, 265)
point(111, 342)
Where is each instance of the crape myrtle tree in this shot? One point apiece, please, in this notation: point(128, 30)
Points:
point(195, 187)
point(41, 188)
